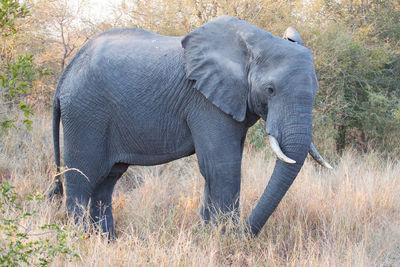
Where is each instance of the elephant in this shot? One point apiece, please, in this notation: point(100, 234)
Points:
point(132, 97)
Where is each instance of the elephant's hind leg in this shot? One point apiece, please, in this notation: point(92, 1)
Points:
point(78, 190)
point(100, 204)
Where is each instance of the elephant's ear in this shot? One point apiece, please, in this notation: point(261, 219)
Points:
point(291, 34)
point(215, 56)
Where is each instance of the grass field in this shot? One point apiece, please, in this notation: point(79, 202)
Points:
point(349, 216)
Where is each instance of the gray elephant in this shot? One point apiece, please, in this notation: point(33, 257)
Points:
point(131, 97)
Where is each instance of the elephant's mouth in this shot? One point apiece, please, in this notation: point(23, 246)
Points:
point(312, 151)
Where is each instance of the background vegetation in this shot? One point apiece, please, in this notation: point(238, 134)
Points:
point(354, 214)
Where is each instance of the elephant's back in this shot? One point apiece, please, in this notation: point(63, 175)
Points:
point(118, 46)
point(136, 68)
point(130, 41)
point(124, 61)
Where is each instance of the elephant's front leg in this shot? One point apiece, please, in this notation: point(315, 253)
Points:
point(218, 141)
point(221, 189)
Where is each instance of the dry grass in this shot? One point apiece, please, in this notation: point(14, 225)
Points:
point(346, 217)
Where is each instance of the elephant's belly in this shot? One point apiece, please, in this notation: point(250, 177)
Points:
point(153, 159)
point(153, 143)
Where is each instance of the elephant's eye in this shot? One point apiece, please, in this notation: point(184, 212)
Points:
point(270, 90)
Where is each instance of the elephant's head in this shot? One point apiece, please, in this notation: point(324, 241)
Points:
point(243, 69)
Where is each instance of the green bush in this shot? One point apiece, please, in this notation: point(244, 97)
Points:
point(16, 76)
point(359, 90)
point(17, 245)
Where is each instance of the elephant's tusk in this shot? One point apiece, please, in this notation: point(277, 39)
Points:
point(277, 150)
point(317, 157)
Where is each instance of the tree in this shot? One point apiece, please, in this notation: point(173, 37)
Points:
point(60, 24)
point(180, 17)
point(17, 73)
point(359, 72)
point(54, 31)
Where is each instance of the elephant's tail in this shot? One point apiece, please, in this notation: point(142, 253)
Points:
point(58, 187)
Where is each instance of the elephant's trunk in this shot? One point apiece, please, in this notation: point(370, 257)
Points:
point(295, 145)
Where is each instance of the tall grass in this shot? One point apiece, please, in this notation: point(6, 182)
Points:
point(349, 216)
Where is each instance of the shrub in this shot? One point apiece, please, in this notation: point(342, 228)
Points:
point(18, 244)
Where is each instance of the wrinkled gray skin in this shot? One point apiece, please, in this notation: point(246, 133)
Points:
point(131, 97)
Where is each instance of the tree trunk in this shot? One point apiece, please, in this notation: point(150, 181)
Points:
point(341, 139)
